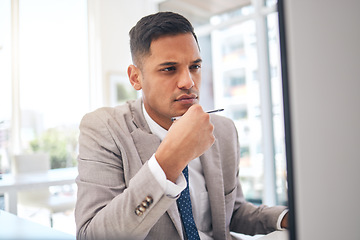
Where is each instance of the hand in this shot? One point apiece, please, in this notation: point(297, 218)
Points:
point(284, 221)
point(188, 138)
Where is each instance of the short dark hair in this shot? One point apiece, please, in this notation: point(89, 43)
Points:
point(154, 26)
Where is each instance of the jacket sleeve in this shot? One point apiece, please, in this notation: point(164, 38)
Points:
point(108, 207)
point(248, 218)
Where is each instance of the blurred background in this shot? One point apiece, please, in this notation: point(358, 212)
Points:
point(62, 59)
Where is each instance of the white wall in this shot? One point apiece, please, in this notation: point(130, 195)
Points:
point(324, 76)
point(116, 18)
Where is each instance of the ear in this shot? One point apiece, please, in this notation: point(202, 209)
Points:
point(134, 74)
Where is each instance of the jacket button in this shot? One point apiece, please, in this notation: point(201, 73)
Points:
point(138, 212)
point(145, 204)
point(149, 199)
point(141, 208)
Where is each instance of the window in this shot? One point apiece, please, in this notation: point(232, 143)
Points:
point(53, 76)
point(5, 84)
point(242, 62)
point(50, 83)
point(277, 108)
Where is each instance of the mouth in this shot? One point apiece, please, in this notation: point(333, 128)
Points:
point(187, 98)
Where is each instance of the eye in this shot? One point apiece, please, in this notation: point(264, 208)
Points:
point(168, 69)
point(195, 66)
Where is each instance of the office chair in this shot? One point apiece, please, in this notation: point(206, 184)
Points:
point(41, 198)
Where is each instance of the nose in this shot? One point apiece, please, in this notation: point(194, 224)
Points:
point(185, 80)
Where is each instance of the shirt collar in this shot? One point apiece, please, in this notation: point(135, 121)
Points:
point(154, 127)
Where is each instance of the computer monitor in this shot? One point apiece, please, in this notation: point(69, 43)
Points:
point(320, 57)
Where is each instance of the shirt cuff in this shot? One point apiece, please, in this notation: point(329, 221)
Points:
point(171, 189)
point(278, 224)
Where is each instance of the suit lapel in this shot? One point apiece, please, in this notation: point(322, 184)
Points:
point(212, 167)
point(146, 144)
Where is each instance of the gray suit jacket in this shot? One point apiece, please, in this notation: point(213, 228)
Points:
point(114, 179)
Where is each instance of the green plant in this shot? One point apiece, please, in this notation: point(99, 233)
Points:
point(61, 145)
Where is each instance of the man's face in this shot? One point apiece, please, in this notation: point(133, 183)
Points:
point(170, 77)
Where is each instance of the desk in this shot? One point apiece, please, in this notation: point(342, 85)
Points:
point(13, 227)
point(276, 235)
point(10, 184)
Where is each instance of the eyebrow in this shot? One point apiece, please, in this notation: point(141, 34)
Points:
point(199, 60)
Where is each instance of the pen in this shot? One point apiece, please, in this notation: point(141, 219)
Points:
point(211, 111)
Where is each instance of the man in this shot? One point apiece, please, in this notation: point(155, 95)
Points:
point(131, 157)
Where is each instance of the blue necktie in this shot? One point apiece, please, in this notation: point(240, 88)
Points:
point(185, 209)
